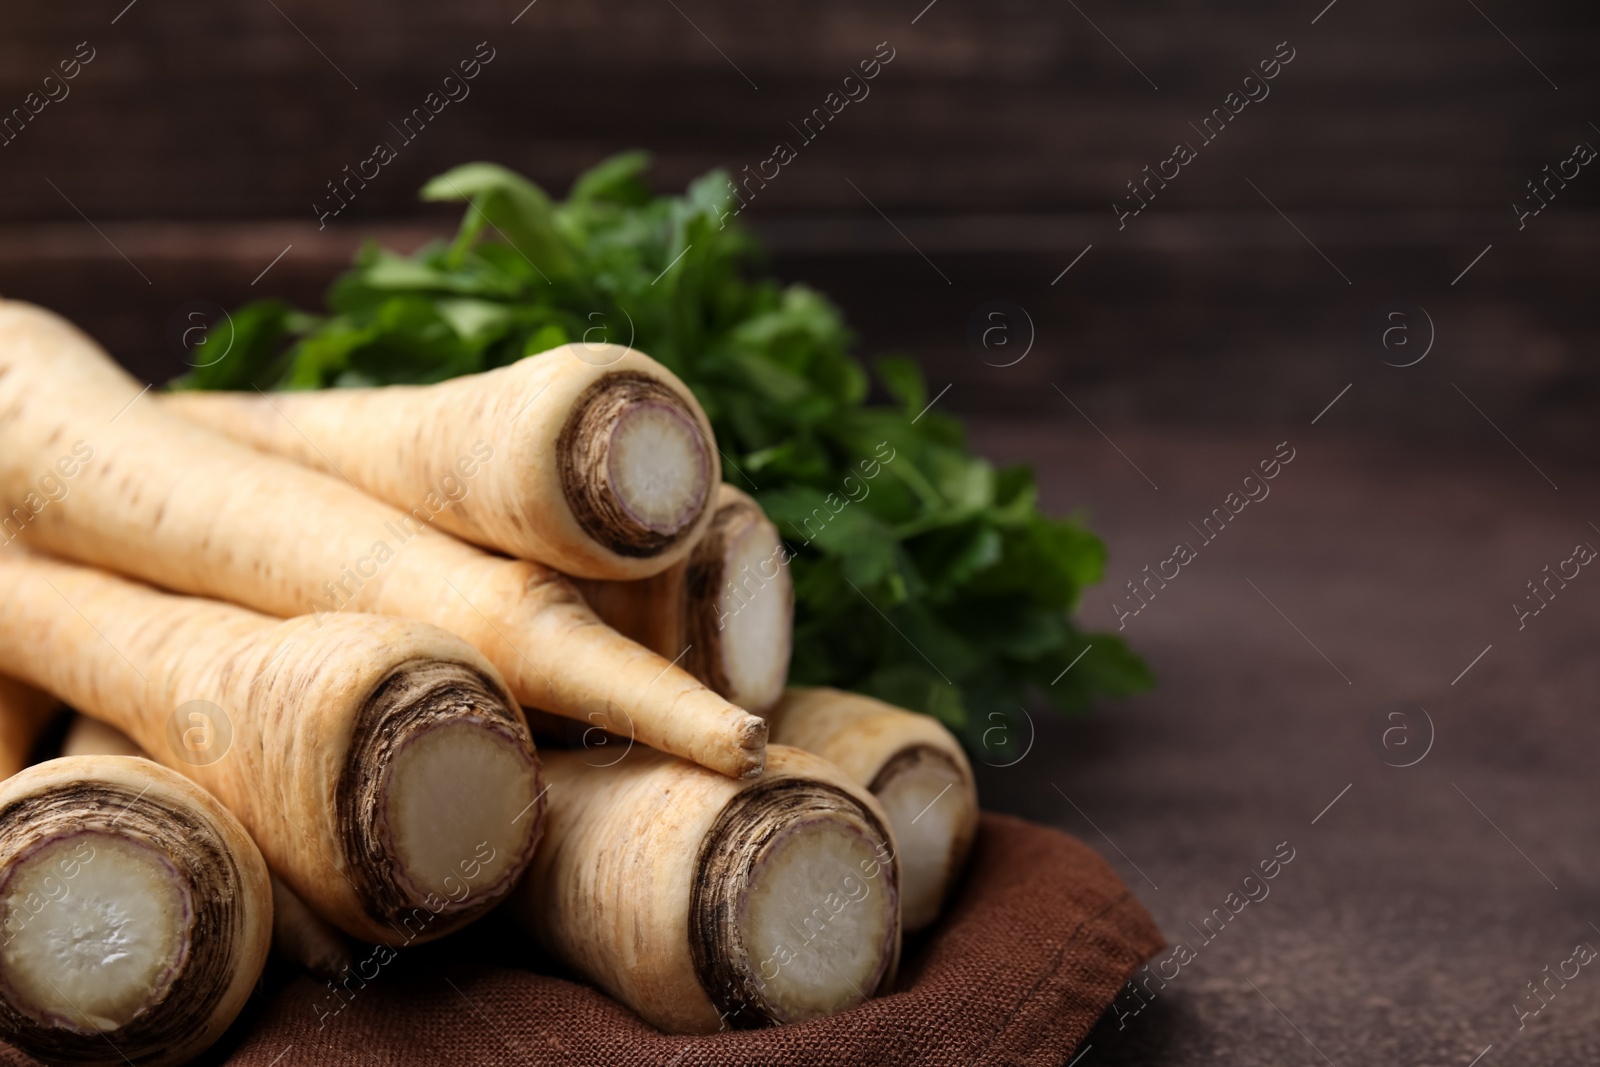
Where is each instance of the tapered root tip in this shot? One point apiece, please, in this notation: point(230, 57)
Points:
point(635, 466)
point(795, 914)
point(753, 746)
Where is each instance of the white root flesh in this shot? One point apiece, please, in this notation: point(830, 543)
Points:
point(750, 622)
point(637, 466)
point(109, 949)
point(298, 934)
point(706, 904)
point(657, 465)
point(800, 918)
point(135, 913)
point(916, 769)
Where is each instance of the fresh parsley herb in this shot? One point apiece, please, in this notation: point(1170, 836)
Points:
point(936, 584)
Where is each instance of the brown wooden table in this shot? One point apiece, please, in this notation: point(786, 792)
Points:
point(1421, 899)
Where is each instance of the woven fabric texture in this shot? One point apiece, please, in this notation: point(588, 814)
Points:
point(1039, 938)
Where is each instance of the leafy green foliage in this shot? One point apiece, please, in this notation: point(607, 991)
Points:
point(923, 574)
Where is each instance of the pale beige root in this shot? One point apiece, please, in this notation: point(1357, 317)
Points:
point(148, 493)
point(593, 459)
point(380, 764)
point(302, 937)
point(25, 712)
point(704, 903)
point(916, 769)
point(135, 913)
point(649, 611)
point(298, 934)
point(91, 737)
point(726, 613)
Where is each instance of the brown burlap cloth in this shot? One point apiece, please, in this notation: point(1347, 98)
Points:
point(1040, 937)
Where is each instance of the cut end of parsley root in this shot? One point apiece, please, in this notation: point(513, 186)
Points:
point(635, 469)
point(105, 951)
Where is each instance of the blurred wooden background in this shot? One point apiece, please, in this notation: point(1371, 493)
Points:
point(187, 154)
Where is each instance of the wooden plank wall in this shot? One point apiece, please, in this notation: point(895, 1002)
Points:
point(997, 140)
